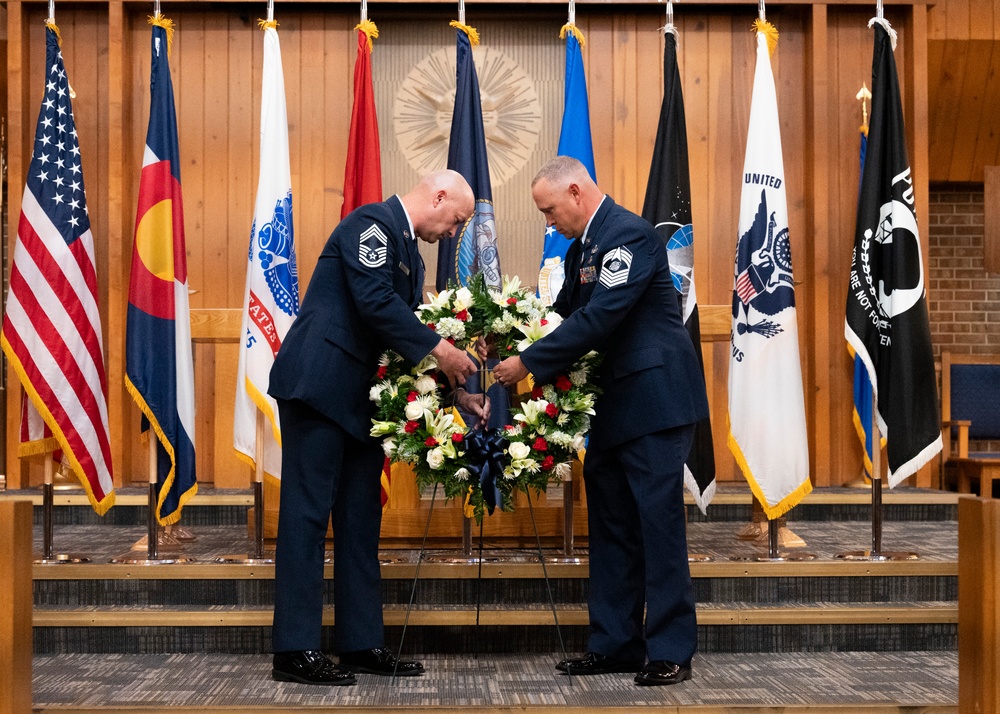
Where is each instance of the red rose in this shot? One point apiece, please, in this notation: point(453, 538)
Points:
point(411, 426)
point(540, 444)
point(510, 347)
point(431, 441)
point(412, 397)
point(451, 340)
point(563, 384)
point(510, 427)
point(543, 321)
point(381, 371)
point(432, 326)
point(512, 301)
point(552, 410)
point(463, 315)
point(537, 393)
point(548, 462)
point(458, 437)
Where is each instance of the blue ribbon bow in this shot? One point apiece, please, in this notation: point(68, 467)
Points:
point(485, 450)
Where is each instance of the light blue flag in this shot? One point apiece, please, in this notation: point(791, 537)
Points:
point(574, 141)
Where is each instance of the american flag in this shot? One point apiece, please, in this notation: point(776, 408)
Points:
point(52, 326)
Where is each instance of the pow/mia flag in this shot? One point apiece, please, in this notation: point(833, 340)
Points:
point(767, 419)
point(668, 207)
point(886, 302)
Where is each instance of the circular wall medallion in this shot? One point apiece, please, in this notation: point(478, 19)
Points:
point(512, 114)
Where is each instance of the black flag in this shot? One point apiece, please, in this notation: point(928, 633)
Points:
point(886, 302)
point(668, 207)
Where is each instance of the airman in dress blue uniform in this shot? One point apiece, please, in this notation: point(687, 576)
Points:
point(618, 299)
point(360, 302)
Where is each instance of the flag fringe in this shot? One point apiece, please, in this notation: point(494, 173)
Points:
point(770, 32)
point(55, 28)
point(470, 31)
point(102, 506)
point(37, 446)
point(267, 24)
point(252, 463)
point(387, 487)
point(159, 20)
point(164, 488)
point(371, 31)
point(261, 401)
point(701, 498)
point(914, 464)
point(781, 507)
point(570, 29)
point(888, 29)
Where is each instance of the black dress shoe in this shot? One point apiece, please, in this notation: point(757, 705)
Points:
point(379, 660)
point(662, 671)
point(593, 663)
point(309, 667)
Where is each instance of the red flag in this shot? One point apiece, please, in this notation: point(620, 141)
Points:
point(52, 326)
point(363, 175)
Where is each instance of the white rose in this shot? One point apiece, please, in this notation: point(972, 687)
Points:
point(426, 383)
point(435, 458)
point(463, 299)
point(579, 442)
point(389, 447)
point(375, 392)
point(414, 410)
point(519, 450)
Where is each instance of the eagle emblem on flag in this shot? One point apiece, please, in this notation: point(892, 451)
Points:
point(277, 257)
point(763, 273)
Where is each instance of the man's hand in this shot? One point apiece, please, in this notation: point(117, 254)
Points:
point(510, 371)
point(455, 363)
point(476, 404)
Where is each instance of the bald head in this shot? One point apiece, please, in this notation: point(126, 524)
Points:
point(439, 204)
point(566, 195)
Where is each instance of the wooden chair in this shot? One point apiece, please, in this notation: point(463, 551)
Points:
point(970, 411)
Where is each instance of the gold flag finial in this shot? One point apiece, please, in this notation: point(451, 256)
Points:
point(863, 96)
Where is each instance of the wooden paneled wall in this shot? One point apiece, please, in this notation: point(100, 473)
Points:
point(964, 88)
point(823, 56)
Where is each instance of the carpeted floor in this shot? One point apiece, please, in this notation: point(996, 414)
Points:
point(854, 680)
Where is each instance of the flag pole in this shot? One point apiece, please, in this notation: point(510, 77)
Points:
point(876, 554)
point(48, 489)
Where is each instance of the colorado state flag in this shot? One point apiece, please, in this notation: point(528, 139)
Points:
point(159, 371)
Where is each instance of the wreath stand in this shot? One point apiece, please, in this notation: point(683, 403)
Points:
point(467, 548)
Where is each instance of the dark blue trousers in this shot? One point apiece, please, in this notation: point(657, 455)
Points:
point(638, 549)
point(326, 473)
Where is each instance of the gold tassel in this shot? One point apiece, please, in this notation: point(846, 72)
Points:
point(770, 32)
point(470, 31)
point(167, 24)
point(264, 24)
point(569, 28)
point(368, 27)
point(55, 28)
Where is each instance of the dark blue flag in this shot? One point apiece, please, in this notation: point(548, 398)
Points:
point(474, 248)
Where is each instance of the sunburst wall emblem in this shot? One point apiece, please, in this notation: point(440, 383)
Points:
point(512, 113)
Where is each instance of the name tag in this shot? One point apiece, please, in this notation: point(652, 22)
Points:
point(404, 268)
point(588, 274)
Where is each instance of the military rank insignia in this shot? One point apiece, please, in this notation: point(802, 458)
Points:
point(372, 248)
point(615, 267)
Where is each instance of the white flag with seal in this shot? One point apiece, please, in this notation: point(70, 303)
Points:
point(767, 423)
point(271, 297)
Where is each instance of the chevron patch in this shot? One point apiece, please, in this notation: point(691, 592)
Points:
point(372, 248)
point(615, 267)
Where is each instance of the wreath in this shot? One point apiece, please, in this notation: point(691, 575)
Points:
point(420, 426)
